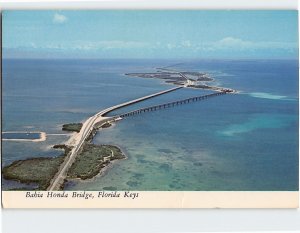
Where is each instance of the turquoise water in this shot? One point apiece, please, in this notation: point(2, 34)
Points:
point(259, 122)
point(246, 141)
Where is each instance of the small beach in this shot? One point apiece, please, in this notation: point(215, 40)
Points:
point(18, 136)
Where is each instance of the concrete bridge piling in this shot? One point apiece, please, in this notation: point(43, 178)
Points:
point(170, 104)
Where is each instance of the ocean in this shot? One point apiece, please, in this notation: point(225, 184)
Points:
point(236, 142)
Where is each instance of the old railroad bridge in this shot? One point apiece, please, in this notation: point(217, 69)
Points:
point(171, 104)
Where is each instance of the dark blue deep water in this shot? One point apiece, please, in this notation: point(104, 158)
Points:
point(245, 141)
point(27, 136)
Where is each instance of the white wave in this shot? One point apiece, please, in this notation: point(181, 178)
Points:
point(264, 95)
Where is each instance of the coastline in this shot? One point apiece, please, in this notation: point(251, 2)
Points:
point(43, 137)
point(101, 173)
point(41, 164)
point(182, 80)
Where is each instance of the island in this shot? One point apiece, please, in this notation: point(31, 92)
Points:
point(91, 160)
point(198, 80)
point(75, 127)
point(35, 170)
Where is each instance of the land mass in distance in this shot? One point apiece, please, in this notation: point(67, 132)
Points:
point(190, 79)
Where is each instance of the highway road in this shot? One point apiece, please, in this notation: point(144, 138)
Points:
point(78, 139)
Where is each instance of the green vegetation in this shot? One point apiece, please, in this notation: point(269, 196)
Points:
point(67, 149)
point(72, 127)
point(106, 125)
point(92, 159)
point(40, 170)
point(21, 189)
point(35, 170)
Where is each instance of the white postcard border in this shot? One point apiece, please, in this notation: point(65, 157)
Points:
point(150, 199)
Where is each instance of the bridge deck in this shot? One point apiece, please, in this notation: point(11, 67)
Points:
point(170, 104)
point(108, 110)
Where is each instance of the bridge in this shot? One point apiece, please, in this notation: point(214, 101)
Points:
point(77, 140)
point(170, 104)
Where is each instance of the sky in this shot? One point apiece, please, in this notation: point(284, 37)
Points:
point(150, 34)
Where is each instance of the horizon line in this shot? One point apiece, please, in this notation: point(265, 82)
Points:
point(138, 58)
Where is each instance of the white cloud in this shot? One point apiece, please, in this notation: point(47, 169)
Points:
point(230, 46)
point(91, 45)
point(33, 45)
point(171, 46)
point(59, 18)
point(186, 43)
point(106, 45)
point(232, 43)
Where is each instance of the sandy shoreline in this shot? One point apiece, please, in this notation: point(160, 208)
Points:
point(43, 137)
point(75, 136)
